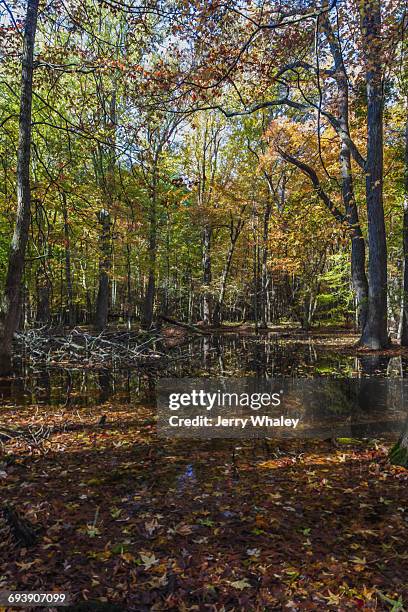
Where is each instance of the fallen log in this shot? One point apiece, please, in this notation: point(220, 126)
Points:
point(31, 435)
point(192, 328)
point(7, 433)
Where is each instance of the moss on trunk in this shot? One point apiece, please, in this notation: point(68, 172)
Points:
point(399, 454)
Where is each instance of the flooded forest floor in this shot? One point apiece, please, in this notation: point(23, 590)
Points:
point(97, 505)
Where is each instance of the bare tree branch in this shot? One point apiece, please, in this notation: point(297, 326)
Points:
point(310, 172)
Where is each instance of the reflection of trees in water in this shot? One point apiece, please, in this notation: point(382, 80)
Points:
point(206, 350)
point(105, 381)
point(399, 452)
point(147, 387)
point(337, 396)
point(12, 388)
point(218, 349)
point(372, 396)
point(221, 355)
point(43, 385)
point(372, 365)
point(371, 388)
point(268, 356)
point(68, 388)
point(127, 387)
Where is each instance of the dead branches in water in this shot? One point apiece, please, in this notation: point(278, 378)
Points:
point(34, 436)
point(82, 348)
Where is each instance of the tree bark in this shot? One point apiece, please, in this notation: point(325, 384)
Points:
point(43, 281)
point(358, 270)
point(235, 232)
point(207, 275)
point(148, 306)
point(255, 273)
point(108, 185)
point(129, 309)
point(102, 300)
point(404, 310)
point(264, 272)
point(149, 300)
point(12, 294)
point(43, 313)
point(374, 335)
point(68, 271)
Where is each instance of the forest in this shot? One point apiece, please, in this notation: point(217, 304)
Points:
point(200, 188)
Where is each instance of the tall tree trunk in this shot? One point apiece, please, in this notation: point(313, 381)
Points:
point(207, 275)
point(43, 313)
point(109, 187)
point(68, 271)
point(43, 282)
point(255, 274)
point(404, 310)
point(358, 269)
point(217, 317)
point(12, 293)
point(375, 334)
point(264, 273)
point(234, 235)
point(148, 307)
point(102, 300)
point(149, 299)
point(129, 308)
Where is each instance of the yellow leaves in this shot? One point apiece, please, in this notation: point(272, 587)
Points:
point(333, 599)
point(368, 533)
point(300, 139)
point(261, 522)
point(148, 559)
point(240, 584)
point(359, 563)
point(272, 464)
point(103, 555)
point(92, 531)
point(94, 482)
point(368, 593)
point(26, 566)
point(292, 574)
point(128, 557)
point(115, 512)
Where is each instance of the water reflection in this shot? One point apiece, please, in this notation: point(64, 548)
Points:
point(187, 478)
point(229, 355)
